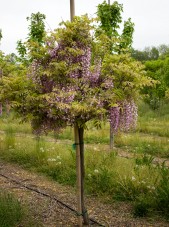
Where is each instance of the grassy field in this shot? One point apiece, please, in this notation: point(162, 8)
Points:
point(108, 176)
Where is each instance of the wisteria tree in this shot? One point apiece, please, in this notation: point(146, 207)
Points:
point(110, 21)
point(74, 79)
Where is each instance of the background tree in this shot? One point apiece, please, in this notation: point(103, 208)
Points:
point(9, 68)
point(0, 34)
point(156, 64)
point(163, 50)
point(35, 39)
point(149, 53)
point(110, 18)
point(159, 71)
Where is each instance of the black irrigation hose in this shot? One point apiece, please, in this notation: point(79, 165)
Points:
point(51, 197)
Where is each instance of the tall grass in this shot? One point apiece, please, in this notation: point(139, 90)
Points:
point(12, 213)
point(10, 210)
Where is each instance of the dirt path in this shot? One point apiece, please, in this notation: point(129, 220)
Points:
point(52, 214)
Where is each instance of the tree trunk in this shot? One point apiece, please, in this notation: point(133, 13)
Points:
point(78, 174)
point(84, 210)
point(0, 109)
point(111, 138)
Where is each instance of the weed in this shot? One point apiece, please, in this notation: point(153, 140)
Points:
point(10, 210)
point(144, 160)
point(162, 192)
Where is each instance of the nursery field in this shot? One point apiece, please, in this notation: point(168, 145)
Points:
point(135, 170)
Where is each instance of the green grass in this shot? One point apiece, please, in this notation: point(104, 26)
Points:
point(14, 123)
point(12, 213)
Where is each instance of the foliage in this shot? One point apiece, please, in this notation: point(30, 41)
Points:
point(122, 115)
point(159, 71)
point(75, 78)
point(143, 206)
point(10, 70)
point(110, 19)
point(149, 53)
point(35, 38)
point(127, 35)
point(12, 78)
point(1, 34)
point(36, 27)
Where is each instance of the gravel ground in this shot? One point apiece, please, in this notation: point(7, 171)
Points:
point(52, 214)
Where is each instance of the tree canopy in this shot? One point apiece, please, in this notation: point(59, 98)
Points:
point(75, 78)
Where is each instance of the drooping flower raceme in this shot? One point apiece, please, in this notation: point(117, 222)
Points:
point(124, 116)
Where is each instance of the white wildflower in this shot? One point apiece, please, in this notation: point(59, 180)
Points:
point(96, 171)
point(51, 160)
point(133, 178)
point(42, 149)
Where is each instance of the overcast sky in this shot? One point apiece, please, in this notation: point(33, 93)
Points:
point(151, 18)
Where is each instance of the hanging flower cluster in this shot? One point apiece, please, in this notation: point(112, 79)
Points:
point(124, 116)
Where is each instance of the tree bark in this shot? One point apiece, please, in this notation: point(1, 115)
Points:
point(0, 109)
point(78, 175)
point(84, 210)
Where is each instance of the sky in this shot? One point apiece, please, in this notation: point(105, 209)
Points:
point(151, 18)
